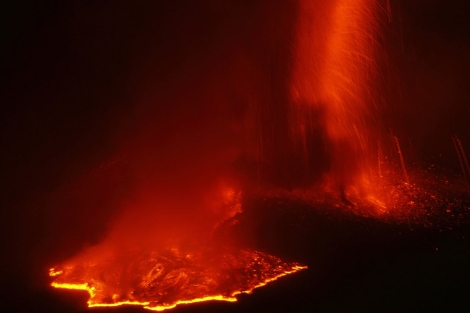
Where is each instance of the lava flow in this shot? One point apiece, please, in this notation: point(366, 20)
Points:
point(162, 280)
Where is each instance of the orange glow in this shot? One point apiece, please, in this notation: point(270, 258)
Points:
point(171, 306)
point(379, 204)
point(53, 272)
point(83, 286)
point(294, 269)
point(335, 75)
point(161, 281)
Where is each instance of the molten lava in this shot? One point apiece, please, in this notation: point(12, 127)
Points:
point(333, 86)
point(161, 280)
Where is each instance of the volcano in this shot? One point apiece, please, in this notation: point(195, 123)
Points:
point(165, 154)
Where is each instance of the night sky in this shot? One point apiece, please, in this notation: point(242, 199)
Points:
point(83, 80)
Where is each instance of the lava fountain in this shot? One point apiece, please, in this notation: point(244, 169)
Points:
point(334, 80)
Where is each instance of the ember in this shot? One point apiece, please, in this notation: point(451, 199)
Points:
point(161, 280)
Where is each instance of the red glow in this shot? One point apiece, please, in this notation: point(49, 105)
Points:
point(335, 75)
point(159, 281)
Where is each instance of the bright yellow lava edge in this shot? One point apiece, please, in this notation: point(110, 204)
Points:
point(231, 298)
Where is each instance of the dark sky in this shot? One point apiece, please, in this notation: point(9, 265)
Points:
point(431, 55)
